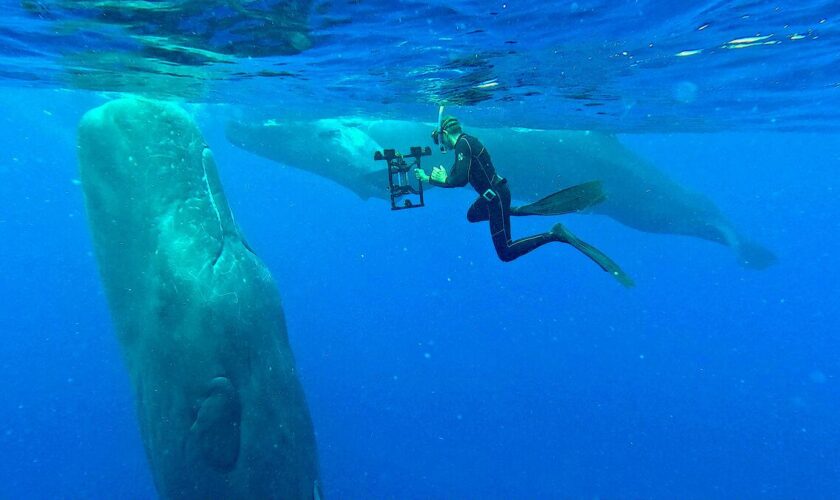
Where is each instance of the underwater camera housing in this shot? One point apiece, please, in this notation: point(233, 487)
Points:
point(404, 194)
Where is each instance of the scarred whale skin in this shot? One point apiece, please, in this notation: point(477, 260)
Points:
point(198, 316)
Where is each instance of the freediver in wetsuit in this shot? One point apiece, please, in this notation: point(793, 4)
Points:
point(474, 166)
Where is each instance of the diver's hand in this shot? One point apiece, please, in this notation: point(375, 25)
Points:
point(439, 174)
point(421, 175)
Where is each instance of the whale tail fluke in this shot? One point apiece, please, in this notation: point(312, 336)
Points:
point(572, 199)
point(754, 256)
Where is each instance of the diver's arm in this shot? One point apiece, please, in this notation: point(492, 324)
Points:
point(459, 175)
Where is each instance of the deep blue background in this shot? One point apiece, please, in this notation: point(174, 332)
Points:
point(433, 370)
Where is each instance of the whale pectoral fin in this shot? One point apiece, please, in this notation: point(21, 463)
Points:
point(215, 433)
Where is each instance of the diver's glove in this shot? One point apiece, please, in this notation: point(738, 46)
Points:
point(421, 175)
point(439, 174)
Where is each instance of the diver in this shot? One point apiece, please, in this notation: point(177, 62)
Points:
point(473, 165)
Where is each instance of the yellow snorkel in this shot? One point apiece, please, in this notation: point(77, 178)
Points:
point(436, 134)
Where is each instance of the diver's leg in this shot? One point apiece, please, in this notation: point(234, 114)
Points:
point(506, 249)
point(478, 210)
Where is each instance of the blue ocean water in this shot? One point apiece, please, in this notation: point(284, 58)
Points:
point(431, 369)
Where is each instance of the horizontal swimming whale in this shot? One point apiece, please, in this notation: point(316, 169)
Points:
point(536, 162)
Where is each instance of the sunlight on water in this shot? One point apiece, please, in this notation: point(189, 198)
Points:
point(584, 60)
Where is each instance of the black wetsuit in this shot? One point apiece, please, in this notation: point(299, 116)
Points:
point(473, 165)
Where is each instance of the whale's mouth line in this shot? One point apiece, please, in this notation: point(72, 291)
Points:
point(205, 153)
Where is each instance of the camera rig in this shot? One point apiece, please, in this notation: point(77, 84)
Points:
point(404, 194)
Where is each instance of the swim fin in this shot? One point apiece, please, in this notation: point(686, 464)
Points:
point(604, 262)
point(572, 199)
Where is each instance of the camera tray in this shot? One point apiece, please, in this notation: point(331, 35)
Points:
point(404, 194)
